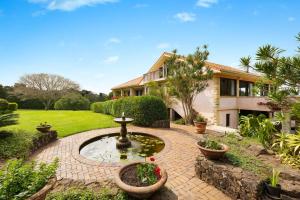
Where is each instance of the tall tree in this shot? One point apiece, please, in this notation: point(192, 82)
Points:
point(283, 72)
point(161, 91)
point(188, 76)
point(46, 87)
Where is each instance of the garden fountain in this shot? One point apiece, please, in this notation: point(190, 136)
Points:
point(122, 146)
point(123, 141)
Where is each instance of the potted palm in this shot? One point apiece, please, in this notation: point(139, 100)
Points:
point(43, 127)
point(141, 179)
point(212, 149)
point(200, 122)
point(272, 186)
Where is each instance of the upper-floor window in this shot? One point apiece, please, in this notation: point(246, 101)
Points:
point(227, 87)
point(246, 88)
point(161, 72)
point(264, 90)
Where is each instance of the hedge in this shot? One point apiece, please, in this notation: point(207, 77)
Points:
point(12, 106)
point(143, 109)
point(3, 104)
point(72, 102)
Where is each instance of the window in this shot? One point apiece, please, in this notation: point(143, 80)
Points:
point(138, 92)
point(161, 72)
point(264, 90)
point(227, 87)
point(227, 120)
point(246, 88)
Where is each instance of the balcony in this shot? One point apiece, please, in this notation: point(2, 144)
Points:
point(243, 103)
point(157, 75)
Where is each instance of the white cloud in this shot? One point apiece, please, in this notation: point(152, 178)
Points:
point(111, 60)
point(185, 17)
point(206, 3)
point(113, 40)
point(291, 19)
point(163, 45)
point(70, 5)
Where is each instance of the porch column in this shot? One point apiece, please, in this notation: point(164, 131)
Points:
point(132, 92)
point(122, 93)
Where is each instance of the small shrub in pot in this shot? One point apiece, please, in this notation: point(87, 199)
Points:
point(272, 186)
point(43, 127)
point(200, 122)
point(212, 149)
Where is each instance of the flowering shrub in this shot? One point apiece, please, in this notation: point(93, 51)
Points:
point(148, 173)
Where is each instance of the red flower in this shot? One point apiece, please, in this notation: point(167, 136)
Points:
point(152, 159)
point(157, 172)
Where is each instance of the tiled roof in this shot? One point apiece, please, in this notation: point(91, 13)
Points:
point(133, 82)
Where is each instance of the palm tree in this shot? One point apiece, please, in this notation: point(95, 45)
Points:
point(245, 62)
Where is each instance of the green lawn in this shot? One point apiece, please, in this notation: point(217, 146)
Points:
point(65, 122)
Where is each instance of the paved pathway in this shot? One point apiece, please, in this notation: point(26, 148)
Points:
point(178, 158)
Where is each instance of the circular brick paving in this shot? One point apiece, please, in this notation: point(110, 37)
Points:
point(178, 158)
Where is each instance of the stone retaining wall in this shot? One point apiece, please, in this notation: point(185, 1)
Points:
point(238, 183)
point(43, 139)
point(233, 181)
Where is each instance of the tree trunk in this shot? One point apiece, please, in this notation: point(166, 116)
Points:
point(286, 124)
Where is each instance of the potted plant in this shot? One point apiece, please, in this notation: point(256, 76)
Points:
point(212, 149)
point(43, 127)
point(272, 186)
point(200, 122)
point(141, 179)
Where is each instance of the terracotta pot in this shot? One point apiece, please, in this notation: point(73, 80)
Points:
point(43, 129)
point(140, 192)
point(213, 154)
point(200, 127)
point(42, 193)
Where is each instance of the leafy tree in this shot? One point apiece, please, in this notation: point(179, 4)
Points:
point(187, 77)
point(283, 72)
point(155, 89)
point(45, 87)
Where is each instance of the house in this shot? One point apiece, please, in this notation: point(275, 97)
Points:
point(228, 95)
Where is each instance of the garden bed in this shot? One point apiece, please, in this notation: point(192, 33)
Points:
point(246, 165)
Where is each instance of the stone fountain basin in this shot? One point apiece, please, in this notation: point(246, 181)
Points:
point(102, 148)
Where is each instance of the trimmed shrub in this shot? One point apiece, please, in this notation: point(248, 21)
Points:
point(12, 106)
point(144, 109)
point(72, 102)
point(3, 104)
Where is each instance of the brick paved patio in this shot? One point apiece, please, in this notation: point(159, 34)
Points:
point(178, 158)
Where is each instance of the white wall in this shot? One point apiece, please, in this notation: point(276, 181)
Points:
point(204, 103)
point(233, 118)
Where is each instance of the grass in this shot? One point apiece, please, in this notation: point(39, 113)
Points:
point(64, 122)
point(240, 156)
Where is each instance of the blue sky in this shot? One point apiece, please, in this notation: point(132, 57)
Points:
point(101, 43)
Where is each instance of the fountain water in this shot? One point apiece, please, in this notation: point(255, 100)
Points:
point(121, 147)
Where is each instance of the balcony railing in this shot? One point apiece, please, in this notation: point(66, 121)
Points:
point(155, 75)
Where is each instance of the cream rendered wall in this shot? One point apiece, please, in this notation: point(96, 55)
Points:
point(204, 103)
point(233, 118)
